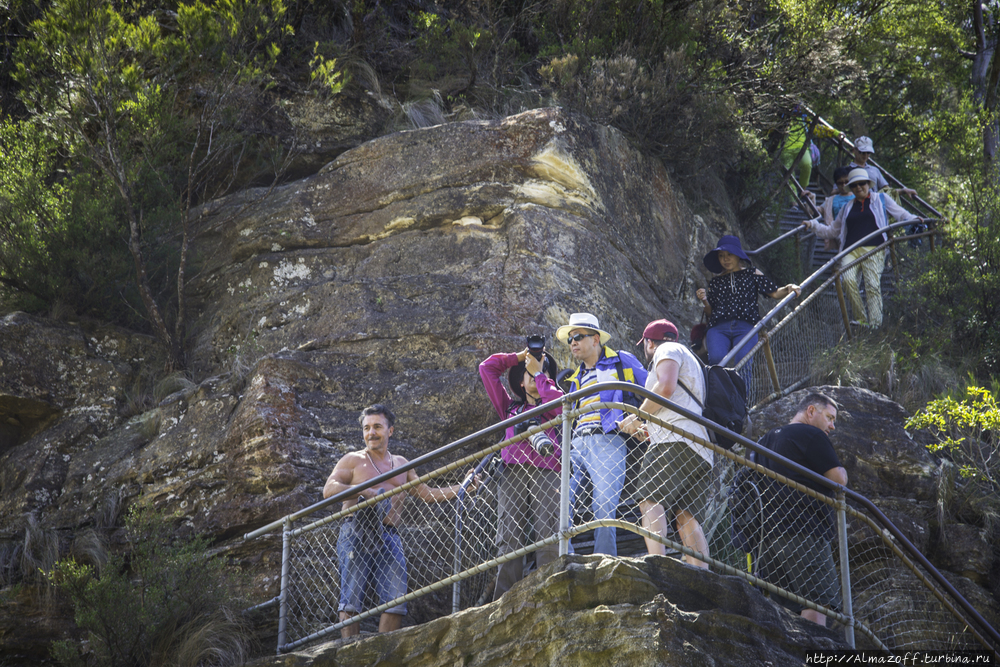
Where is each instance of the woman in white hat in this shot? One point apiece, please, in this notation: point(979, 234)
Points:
point(862, 217)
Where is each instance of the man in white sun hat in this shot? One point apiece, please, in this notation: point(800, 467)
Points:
point(599, 448)
point(863, 150)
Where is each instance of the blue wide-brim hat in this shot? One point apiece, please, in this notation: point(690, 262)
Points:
point(730, 244)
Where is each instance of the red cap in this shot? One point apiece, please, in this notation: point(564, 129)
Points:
point(659, 330)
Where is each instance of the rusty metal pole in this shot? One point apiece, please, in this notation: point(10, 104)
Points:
point(895, 261)
point(847, 606)
point(843, 306)
point(770, 362)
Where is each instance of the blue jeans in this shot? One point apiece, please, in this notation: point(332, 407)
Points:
point(602, 456)
point(721, 338)
point(386, 564)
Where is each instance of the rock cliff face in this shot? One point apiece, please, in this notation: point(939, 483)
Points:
point(386, 277)
point(407, 260)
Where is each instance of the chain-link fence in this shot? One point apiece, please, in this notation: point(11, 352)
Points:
point(897, 599)
point(689, 498)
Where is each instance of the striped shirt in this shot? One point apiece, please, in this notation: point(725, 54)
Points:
point(588, 420)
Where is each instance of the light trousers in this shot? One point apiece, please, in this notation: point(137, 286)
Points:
point(871, 268)
point(527, 497)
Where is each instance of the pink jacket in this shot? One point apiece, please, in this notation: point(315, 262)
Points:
point(521, 452)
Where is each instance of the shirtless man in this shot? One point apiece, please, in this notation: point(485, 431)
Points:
point(369, 542)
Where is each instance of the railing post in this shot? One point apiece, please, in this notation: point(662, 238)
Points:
point(895, 261)
point(564, 499)
point(456, 558)
point(847, 606)
point(843, 305)
point(771, 368)
point(798, 254)
point(286, 549)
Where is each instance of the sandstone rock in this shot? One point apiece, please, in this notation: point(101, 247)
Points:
point(412, 257)
point(61, 388)
point(326, 127)
point(595, 610)
point(387, 277)
point(963, 549)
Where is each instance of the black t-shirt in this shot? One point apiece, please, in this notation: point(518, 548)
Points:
point(789, 508)
point(733, 296)
point(861, 222)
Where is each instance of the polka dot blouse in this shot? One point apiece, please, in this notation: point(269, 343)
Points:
point(733, 296)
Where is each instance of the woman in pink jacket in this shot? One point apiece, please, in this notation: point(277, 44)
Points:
point(528, 493)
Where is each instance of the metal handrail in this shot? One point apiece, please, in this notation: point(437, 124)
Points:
point(889, 177)
point(771, 314)
point(500, 427)
point(778, 239)
point(748, 444)
point(839, 143)
point(816, 477)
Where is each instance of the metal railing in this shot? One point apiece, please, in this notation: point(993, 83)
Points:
point(781, 360)
point(883, 589)
point(929, 211)
point(797, 235)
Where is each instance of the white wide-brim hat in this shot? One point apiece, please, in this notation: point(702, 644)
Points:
point(857, 176)
point(582, 321)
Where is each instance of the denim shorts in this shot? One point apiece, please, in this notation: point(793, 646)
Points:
point(384, 566)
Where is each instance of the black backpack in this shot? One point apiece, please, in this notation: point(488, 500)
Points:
point(725, 402)
point(746, 508)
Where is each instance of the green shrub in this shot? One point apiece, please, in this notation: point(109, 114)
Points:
point(165, 601)
point(958, 289)
point(166, 107)
point(966, 429)
point(58, 237)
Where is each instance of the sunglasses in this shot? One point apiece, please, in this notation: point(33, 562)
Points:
point(841, 183)
point(577, 338)
point(859, 184)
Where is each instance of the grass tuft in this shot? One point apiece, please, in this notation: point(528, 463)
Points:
point(171, 384)
point(89, 548)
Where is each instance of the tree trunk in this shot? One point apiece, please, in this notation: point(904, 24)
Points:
point(142, 281)
point(985, 78)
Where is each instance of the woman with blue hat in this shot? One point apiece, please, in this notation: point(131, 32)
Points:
point(731, 300)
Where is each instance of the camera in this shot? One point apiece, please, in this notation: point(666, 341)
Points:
point(541, 442)
point(536, 344)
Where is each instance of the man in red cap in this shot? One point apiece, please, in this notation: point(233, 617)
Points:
point(675, 480)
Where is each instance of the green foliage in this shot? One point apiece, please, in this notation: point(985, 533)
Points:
point(967, 430)
point(955, 291)
point(59, 238)
point(325, 73)
point(163, 110)
point(916, 98)
point(695, 83)
point(890, 361)
point(165, 602)
point(448, 48)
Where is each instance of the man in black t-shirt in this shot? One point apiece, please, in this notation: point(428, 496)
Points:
point(796, 554)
